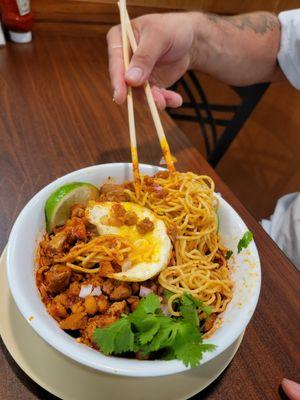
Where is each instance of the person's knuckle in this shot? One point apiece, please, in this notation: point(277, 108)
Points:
point(150, 18)
point(144, 59)
point(112, 33)
point(108, 35)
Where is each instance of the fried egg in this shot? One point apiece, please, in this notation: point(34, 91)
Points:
point(150, 252)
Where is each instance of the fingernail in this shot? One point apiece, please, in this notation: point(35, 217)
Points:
point(115, 95)
point(134, 74)
point(179, 100)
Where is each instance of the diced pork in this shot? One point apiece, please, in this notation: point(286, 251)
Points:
point(74, 321)
point(108, 286)
point(106, 269)
point(57, 242)
point(58, 278)
point(121, 292)
point(102, 303)
point(130, 218)
point(145, 226)
point(117, 308)
point(133, 301)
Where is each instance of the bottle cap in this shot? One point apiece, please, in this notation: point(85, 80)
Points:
point(20, 37)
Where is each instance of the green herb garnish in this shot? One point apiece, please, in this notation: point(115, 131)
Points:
point(245, 241)
point(228, 254)
point(168, 294)
point(148, 331)
point(189, 301)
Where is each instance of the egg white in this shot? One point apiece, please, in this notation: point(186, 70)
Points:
point(153, 248)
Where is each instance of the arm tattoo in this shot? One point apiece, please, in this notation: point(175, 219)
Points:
point(258, 22)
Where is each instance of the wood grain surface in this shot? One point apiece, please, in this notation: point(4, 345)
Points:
point(100, 14)
point(57, 115)
point(216, 6)
point(96, 15)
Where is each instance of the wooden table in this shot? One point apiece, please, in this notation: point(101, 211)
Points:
point(57, 115)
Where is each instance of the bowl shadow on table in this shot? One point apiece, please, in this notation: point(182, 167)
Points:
point(24, 379)
point(209, 390)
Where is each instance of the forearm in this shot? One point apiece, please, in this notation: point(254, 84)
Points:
point(239, 50)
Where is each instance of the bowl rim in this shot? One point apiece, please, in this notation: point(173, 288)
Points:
point(114, 365)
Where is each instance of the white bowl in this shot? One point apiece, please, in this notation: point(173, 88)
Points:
point(28, 230)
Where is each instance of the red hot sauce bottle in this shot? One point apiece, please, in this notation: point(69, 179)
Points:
point(18, 19)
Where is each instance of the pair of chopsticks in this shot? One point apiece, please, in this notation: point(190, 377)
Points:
point(127, 33)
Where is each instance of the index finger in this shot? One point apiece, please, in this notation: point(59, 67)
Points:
point(115, 64)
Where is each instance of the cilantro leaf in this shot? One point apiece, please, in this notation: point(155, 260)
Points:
point(186, 344)
point(104, 339)
point(206, 309)
point(117, 338)
point(186, 330)
point(148, 327)
point(165, 337)
point(149, 331)
point(124, 340)
point(189, 314)
point(168, 294)
point(245, 241)
point(207, 347)
point(192, 353)
point(189, 353)
point(168, 355)
point(175, 302)
point(228, 254)
point(148, 305)
point(188, 300)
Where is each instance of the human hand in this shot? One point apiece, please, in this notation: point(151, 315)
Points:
point(291, 389)
point(238, 50)
point(163, 56)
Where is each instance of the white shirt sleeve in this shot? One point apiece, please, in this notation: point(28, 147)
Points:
point(289, 53)
point(284, 226)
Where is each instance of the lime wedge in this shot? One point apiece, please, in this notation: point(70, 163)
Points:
point(58, 205)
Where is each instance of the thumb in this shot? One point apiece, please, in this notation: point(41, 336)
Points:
point(150, 49)
point(291, 389)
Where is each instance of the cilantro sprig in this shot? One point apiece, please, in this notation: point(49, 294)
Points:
point(148, 331)
point(242, 244)
point(228, 254)
point(245, 241)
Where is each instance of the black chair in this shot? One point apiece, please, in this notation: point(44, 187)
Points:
point(202, 113)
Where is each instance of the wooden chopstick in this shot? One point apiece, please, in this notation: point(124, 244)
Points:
point(132, 132)
point(153, 109)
